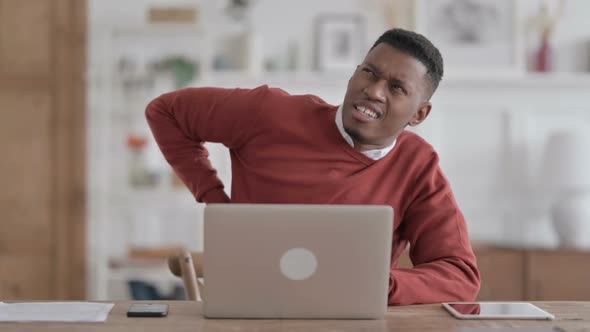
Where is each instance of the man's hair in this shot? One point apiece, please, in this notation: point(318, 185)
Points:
point(417, 46)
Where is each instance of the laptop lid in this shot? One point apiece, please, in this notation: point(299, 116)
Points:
point(296, 261)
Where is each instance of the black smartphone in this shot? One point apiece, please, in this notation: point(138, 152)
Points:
point(147, 310)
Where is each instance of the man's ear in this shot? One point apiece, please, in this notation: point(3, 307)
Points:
point(421, 114)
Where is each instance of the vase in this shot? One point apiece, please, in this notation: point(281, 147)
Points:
point(544, 56)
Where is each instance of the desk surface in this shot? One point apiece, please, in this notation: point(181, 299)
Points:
point(186, 316)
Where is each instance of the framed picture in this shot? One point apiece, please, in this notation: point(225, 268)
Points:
point(475, 37)
point(339, 42)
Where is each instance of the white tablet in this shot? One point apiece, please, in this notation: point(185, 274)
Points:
point(496, 310)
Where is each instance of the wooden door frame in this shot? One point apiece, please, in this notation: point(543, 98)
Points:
point(69, 144)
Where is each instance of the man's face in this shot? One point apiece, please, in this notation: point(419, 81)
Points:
point(387, 91)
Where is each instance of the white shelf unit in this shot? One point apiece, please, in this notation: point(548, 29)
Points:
point(121, 215)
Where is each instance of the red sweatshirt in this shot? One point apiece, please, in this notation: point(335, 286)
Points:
point(288, 149)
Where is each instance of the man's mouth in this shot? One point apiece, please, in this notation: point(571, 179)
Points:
point(367, 111)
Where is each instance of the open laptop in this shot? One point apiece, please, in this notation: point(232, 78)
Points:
point(296, 261)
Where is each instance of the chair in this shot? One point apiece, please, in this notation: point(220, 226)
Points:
point(189, 266)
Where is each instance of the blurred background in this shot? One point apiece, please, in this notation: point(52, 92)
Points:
point(90, 209)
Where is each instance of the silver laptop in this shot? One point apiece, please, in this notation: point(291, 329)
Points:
point(296, 261)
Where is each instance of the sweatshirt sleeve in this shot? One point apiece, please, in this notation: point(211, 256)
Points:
point(445, 267)
point(181, 121)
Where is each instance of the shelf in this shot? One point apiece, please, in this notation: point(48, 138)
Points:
point(561, 80)
point(155, 197)
point(121, 115)
point(145, 273)
point(244, 78)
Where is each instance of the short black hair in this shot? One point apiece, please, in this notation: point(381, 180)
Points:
point(419, 47)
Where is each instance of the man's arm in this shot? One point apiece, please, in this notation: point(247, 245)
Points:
point(445, 267)
point(183, 120)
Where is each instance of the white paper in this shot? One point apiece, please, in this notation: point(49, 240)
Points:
point(54, 312)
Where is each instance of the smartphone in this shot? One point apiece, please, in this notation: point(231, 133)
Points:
point(496, 310)
point(147, 310)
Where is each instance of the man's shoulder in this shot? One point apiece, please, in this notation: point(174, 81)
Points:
point(414, 144)
point(280, 94)
point(280, 109)
point(416, 156)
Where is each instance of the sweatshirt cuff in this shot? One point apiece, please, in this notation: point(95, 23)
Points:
point(215, 195)
point(391, 289)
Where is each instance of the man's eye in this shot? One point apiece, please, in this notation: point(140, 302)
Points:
point(369, 71)
point(397, 88)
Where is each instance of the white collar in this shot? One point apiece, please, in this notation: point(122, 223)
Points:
point(373, 154)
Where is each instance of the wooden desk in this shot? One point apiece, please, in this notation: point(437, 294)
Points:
point(186, 316)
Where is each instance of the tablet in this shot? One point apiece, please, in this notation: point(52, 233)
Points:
point(496, 310)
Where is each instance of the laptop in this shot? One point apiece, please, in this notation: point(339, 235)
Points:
point(296, 261)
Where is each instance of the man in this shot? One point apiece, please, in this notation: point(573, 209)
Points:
point(299, 149)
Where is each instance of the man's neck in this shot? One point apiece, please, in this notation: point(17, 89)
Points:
point(372, 151)
point(367, 147)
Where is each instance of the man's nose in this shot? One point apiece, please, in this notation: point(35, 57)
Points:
point(376, 90)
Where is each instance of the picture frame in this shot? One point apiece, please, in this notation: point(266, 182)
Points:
point(340, 42)
point(477, 38)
